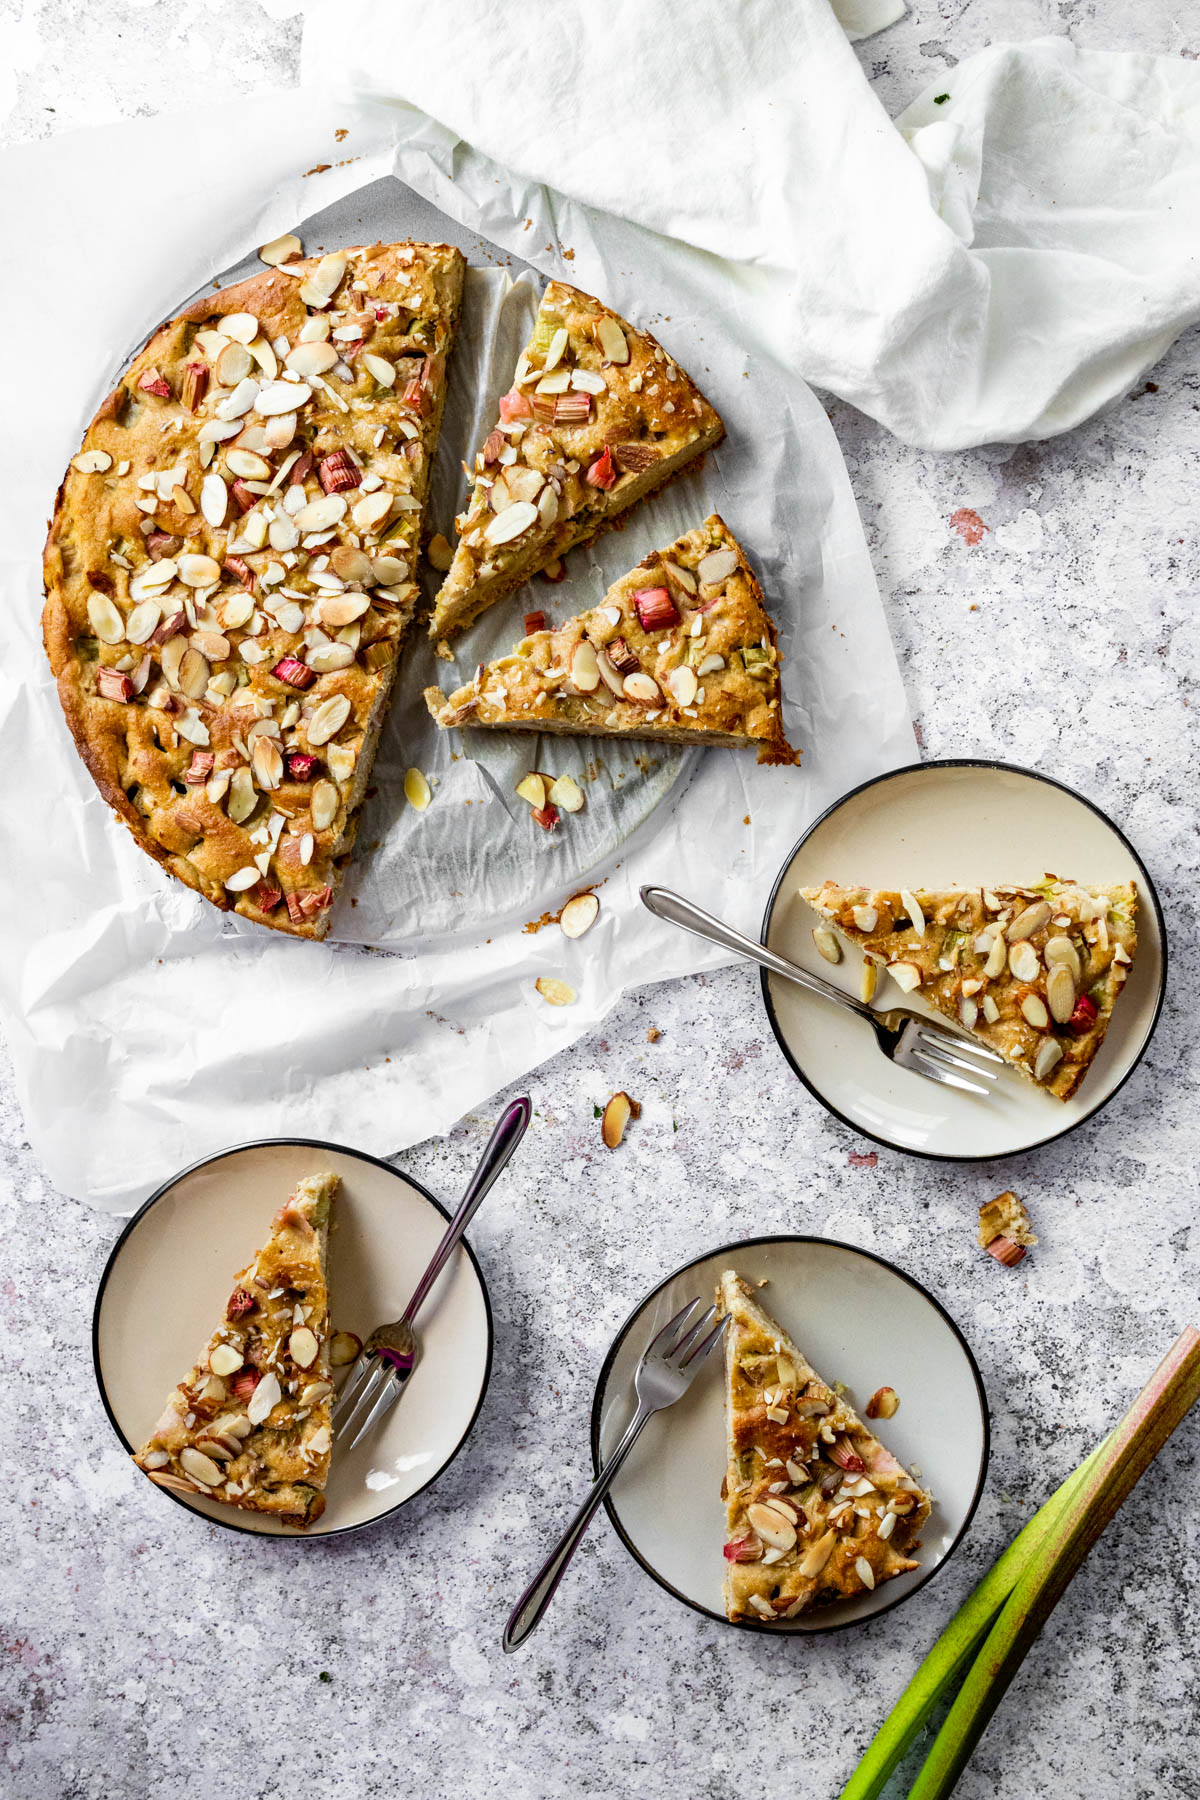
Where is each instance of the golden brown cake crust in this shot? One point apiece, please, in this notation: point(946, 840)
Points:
point(1048, 961)
point(250, 1425)
point(634, 420)
point(818, 1509)
point(681, 649)
point(145, 738)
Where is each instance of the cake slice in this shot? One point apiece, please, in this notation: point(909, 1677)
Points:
point(1032, 971)
point(251, 1424)
point(598, 416)
point(681, 650)
point(231, 566)
point(818, 1509)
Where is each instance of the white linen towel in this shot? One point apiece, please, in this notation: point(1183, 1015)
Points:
point(1016, 250)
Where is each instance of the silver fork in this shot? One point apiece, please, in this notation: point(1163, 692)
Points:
point(382, 1367)
point(908, 1038)
point(669, 1365)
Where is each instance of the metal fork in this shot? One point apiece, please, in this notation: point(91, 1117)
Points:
point(382, 1367)
point(908, 1038)
point(669, 1365)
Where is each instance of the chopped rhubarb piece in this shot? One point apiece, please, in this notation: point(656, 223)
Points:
point(846, 1458)
point(544, 406)
point(296, 674)
point(304, 906)
point(655, 608)
point(514, 405)
point(151, 381)
point(534, 621)
point(194, 385)
point(1005, 1251)
point(1085, 1013)
point(602, 474)
point(244, 1382)
point(241, 571)
point(266, 898)
point(301, 766)
point(414, 395)
point(302, 468)
point(545, 816)
point(572, 409)
point(338, 472)
point(244, 498)
point(199, 769)
point(111, 684)
point(621, 656)
point(241, 1302)
point(743, 1549)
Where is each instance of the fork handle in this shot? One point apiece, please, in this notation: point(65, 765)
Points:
point(678, 911)
point(503, 1141)
point(526, 1615)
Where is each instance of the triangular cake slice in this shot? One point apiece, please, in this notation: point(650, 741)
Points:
point(231, 568)
point(598, 417)
point(251, 1424)
point(681, 649)
point(1032, 971)
point(818, 1509)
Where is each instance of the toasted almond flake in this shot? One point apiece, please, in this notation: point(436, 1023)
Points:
point(555, 992)
point(1029, 920)
point(912, 907)
point(865, 917)
point(579, 915)
point(827, 944)
point(1048, 1058)
point(616, 1116)
point(1023, 960)
point(379, 369)
point(417, 790)
point(104, 619)
point(282, 397)
point(532, 787)
point(567, 794)
point(772, 1525)
point(225, 1360)
point(241, 327)
point(200, 1467)
point(281, 250)
point(864, 1571)
point(818, 1554)
point(328, 719)
point(612, 339)
point(241, 879)
point(266, 1395)
point(906, 975)
point(440, 553)
point(716, 567)
point(1034, 1010)
point(510, 523)
point(303, 1347)
point(92, 462)
point(868, 981)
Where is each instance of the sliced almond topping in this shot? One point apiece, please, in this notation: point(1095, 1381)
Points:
point(344, 1346)
point(864, 1571)
point(617, 1114)
point(532, 787)
point(319, 287)
point(510, 523)
point(906, 975)
point(328, 719)
point(282, 397)
point(311, 359)
point(612, 339)
point(201, 1467)
point(1048, 1058)
point(92, 462)
point(233, 365)
point(225, 1360)
point(555, 992)
point(1031, 919)
point(303, 1347)
point(827, 944)
point(579, 915)
point(815, 1558)
point(417, 790)
point(865, 917)
point(324, 804)
point(241, 879)
point(912, 907)
point(772, 1526)
point(241, 327)
point(379, 369)
point(716, 567)
point(1035, 1012)
point(281, 250)
point(585, 670)
point(266, 1395)
point(682, 683)
point(1023, 960)
point(1060, 992)
point(566, 793)
point(643, 687)
point(104, 619)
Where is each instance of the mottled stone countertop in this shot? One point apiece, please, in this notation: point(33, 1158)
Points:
point(142, 1654)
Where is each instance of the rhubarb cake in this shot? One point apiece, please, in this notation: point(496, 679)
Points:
point(680, 649)
point(818, 1509)
point(251, 1424)
point(231, 567)
point(597, 417)
point(1032, 971)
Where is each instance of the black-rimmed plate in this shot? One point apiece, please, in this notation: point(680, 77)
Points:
point(860, 1321)
point(169, 1275)
point(950, 824)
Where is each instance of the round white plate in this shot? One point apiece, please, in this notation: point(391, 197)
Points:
point(947, 824)
point(860, 1321)
point(168, 1278)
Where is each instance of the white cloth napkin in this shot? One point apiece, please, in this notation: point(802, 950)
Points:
point(1017, 250)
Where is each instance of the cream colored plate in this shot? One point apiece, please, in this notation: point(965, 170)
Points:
point(858, 1320)
point(170, 1274)
point(942, 825)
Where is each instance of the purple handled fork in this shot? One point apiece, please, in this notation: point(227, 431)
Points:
point(382, 1367)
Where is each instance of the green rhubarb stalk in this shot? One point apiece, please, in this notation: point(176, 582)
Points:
point(956, 1646)
point(1111, 1476)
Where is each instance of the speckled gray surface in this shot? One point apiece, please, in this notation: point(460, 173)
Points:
point(141, 1649)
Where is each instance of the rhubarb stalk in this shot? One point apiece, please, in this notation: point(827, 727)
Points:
point(954, 1649)
point(1112, 1475)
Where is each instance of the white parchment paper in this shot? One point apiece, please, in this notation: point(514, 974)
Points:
point(146, 1028)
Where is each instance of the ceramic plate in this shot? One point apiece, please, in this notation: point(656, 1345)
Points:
point(170, 1273)
point(859, 1320)
point(948, 824)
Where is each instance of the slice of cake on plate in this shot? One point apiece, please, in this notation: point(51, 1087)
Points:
point(598, 417)
point(1032, 971)
point(818, 1509)
point(681, 650)
point(231, 565)
point(250, 1425)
